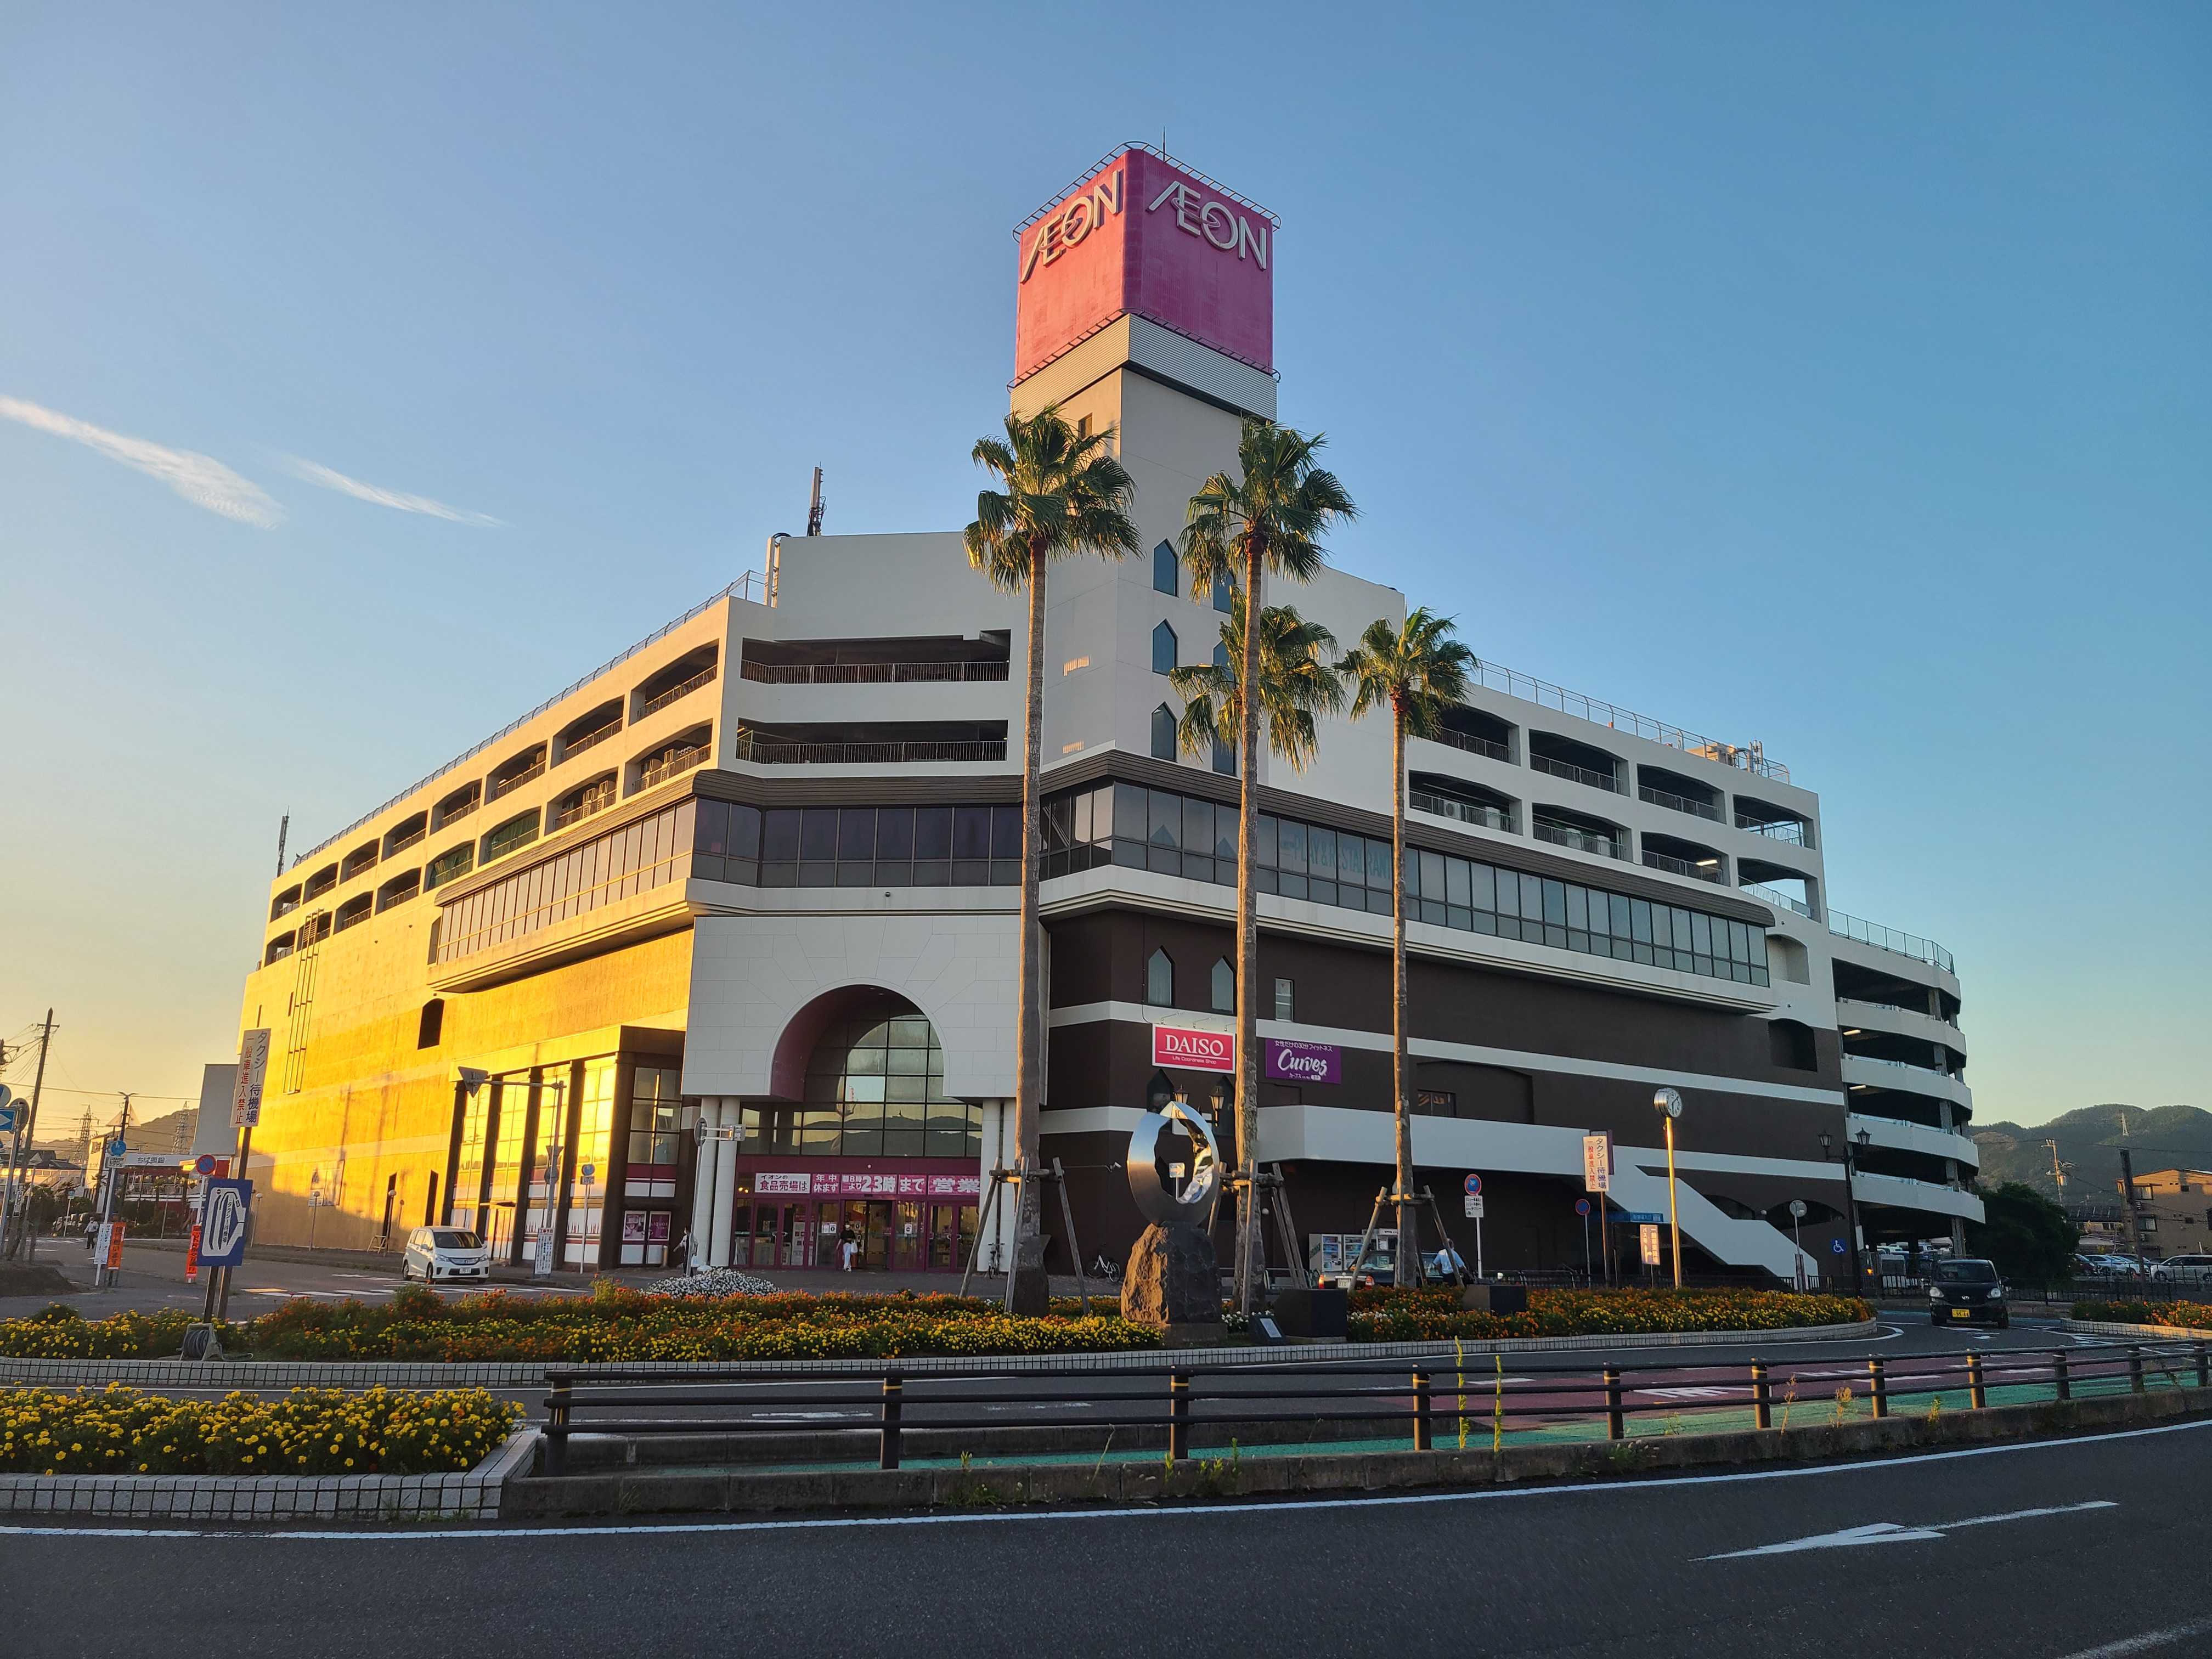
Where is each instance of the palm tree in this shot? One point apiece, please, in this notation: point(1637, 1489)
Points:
point(1297, 683)
point(1063, 493)
point(1417, 672)
point(1268, 519)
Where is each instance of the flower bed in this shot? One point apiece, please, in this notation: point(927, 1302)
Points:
point(1419, 1314)
point(611, 1324)
point(2188, 1315)
point(321, 1431)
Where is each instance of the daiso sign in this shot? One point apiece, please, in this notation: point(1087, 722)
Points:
point(1144, 237)
point(1191, 1050)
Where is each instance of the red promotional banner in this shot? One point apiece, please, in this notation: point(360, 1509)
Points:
point(1193, 1051)
point(192, 1255)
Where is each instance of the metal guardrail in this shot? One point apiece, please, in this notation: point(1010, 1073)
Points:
point(1748, 758)
point(1578, 840)
point(1489, 818)
point(1674, 866)
point(1575, 774)
point(668, 766)
point(868, 674)
point(1785, 829)
point(1421, 1397)
point(1888, 938)
point(1678, 803)
point(683, 688)
point(1475, 745)
point(1772, 896)
point(751, 587)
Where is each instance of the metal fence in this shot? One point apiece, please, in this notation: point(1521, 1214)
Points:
point(1380, 1400)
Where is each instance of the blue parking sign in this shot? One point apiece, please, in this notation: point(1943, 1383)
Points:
point(223, 1214)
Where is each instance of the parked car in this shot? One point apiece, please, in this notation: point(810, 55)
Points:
point(2184, 1269)
point(1967, 1291)
point(441, 1253)
point(2103, 1264)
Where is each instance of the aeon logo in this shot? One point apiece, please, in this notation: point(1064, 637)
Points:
point(1081, 216)
point(1213, 221)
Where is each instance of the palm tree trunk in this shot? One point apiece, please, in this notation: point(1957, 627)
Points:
point(1248, 937)
point(1029, 998)
point(1401, 1082)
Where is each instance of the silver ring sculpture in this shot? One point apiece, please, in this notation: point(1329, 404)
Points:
point(1150, 1146)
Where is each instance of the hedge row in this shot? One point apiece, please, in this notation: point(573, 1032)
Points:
point(2189, 1316)
point(1430, 1315)
point(119, 1431)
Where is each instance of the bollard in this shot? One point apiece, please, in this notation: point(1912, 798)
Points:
point(894, 1403)
point(2061, 1378)
point(1762, 1397)
point(1424, 1433)
point(2203, 1366)
point(1615, 1427)
point(1179, 1415)
point(557, 1423)
point(2135, 1370)
point(1877, 1386)
point(1977, 1393)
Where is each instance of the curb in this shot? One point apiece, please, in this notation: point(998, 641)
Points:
point(525, 1374)
point(537, 1497)
point(2163, 1333)
point(474, 1494)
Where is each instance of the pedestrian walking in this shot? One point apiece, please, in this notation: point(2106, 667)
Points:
point(850, 1250)
point(688, 1252)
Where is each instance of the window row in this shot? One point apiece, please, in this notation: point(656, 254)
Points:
point(958, 845)
point(1172, 834)
point(603, 871)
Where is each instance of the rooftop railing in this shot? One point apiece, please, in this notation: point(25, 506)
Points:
point(752, 587)
point(1678, 803)
point(1747, 757)
point(1888, 938)
point(869, 673)
point(1574, 773)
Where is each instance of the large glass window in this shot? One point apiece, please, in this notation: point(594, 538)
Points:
point(619, 865)
point(875, 1087)
point(1166, 569)
point(1164, 733)
point(1157, 829)
point(1159, 980)
point(1164, 649)
point(965, 846)
point(587, 1194)
point(1224, 986)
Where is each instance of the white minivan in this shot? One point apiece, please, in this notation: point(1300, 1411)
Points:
point(440, 1253)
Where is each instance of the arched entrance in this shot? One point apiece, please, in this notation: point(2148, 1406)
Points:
point(865, 1146)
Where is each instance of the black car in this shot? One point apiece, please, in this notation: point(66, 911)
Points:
point(1967, 1291)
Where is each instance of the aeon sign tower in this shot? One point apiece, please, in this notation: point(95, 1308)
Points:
point(1143, 237)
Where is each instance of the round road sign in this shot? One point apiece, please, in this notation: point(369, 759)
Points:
point(587, 1172)
point(1582, 1206)
point(1473, 1185)
point(203, 1164)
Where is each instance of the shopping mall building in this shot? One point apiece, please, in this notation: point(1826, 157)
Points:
point(728, 928)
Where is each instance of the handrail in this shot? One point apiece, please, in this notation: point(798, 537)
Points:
point(667, 766)
point(1677, 803)
point(1489, 818)
point(1674, 866)
point(570, 750)
point(1574, 773)
point(867, 673)
point(1792, 830)
point(771, 753)
point(498, 786)
point(1473, 744)
point(683, 688)
point(1888, 938)
point(1750, 757)
point(1772, 896)
point(1576, 839)
point(752, 587)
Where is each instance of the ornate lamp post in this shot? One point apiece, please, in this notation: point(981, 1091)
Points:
point(1668, 1104)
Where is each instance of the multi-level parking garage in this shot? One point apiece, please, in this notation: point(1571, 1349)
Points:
point(727, 930)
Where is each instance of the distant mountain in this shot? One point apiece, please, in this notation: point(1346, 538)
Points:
point(2157, 1138)
point(64, 1133)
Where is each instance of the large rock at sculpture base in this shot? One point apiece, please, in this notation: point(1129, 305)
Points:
point(1172, 1279)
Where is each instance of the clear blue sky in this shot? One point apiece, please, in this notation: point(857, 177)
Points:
point(1835, 377)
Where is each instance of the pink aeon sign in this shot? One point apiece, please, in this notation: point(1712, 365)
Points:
point(1142, 236)
point(1193, 1051)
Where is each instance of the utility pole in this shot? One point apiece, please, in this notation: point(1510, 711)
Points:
point(2135, 1205)
point(2059, 1171)
point(27, 1126)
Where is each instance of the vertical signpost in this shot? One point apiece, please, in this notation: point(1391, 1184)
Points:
point(1796, 1215)
point(244, 1116)
point(1473, 1185)
point(1597, 1179)
point(1583, 1209)
point(541, 1264)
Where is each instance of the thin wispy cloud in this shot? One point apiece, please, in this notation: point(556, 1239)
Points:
point(330, 478)
point(200, 479)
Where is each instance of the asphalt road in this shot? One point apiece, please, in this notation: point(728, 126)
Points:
point(2093, 1547)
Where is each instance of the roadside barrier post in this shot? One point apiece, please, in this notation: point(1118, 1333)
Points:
point(1977, 1393)
point(557, 1400)
point(894, 1401)
point(2135, 1370)
point(1615, 1427)
point(2203, 1366)
point(1424, 1435)
point(2062, 1379)
point(1877, 1386)
point(1179, 1415)
point(1762, 1395)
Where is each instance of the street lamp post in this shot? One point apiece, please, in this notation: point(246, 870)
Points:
point(1668, 1104)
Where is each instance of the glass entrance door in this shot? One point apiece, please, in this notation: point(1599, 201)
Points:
point(907, 1249)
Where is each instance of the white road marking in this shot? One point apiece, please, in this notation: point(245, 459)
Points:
point(1891, 1532)
point(2148, 1640)
point(1692, 1393)
point(1017, 1517)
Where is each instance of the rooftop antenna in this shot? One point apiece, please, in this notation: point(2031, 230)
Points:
point(814, 506)
point(284, 828)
